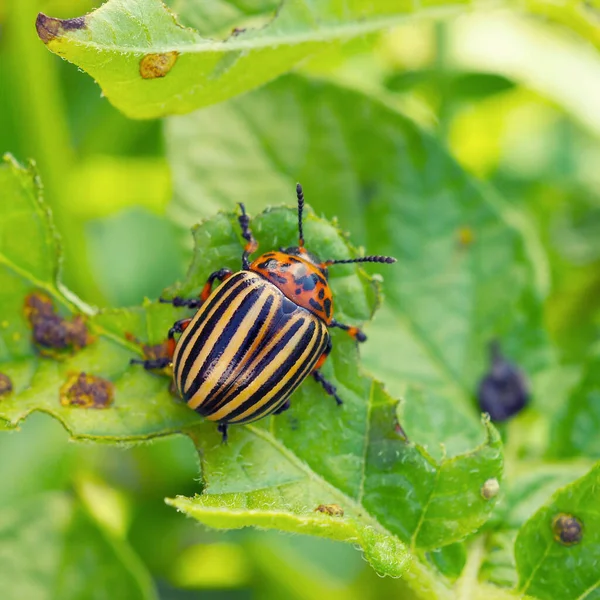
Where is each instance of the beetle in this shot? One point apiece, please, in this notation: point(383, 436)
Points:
point(258, 335)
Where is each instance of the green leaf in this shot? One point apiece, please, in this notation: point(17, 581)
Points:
point(51, 548)
point(576, 426)
point(394, 492)
point(142, 407)
point(275, 475)
point(470, 268)
point(551, 566)
point(524, 495)
point(149, 66)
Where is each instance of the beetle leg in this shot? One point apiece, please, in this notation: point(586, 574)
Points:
point(285, 406)
point(251, 244)
point(221, 275)
point(328, 387)
point(222, 429)
point(164, 361)
point(354, 332)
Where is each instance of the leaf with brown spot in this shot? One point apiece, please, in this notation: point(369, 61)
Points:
point(558, 549)
point(87, 391)
point(41, 323)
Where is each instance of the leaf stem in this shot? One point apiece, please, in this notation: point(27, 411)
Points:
point(467, 583)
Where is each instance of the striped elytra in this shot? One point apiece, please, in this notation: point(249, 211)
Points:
point(246, 350)
point(259, 335)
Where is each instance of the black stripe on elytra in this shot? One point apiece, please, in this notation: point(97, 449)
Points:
point(208, 327)
point(272, 355)
point(275, 378)
point(277, 322)
point(206, 308)
point(289, 388)
point(209, 404)
point(222, 342)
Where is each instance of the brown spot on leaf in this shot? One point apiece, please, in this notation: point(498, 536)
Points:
point(6, 385)
point(50, 330)
point(49, 28)
point(333, 510)
point(86, 391)
point(157, 65)
point(490, 488)
point(567, 529)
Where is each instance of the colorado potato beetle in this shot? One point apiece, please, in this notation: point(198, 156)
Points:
point(257, 336)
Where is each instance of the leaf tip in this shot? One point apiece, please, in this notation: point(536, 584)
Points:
point(49, 28)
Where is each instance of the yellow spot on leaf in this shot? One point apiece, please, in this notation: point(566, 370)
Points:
point(157, 65)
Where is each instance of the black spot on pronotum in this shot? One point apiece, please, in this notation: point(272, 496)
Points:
point(269, 265)
point(6, 385)
point(86, 391)
point(567, 529)
point(327, 307)
point(49, 28)
point(321, 294)
point(315, 305)
point(503, 392)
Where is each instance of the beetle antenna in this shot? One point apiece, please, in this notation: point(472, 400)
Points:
point(373, 259)
point(300, 195)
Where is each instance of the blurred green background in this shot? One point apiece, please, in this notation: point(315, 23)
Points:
point(513, 98)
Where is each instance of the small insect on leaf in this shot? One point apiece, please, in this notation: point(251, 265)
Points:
point(52, 332)
point(503, 391)
point(490, 488)
point(87, 391)
point(333, 510)
point(567, 529)
point(6, 385)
